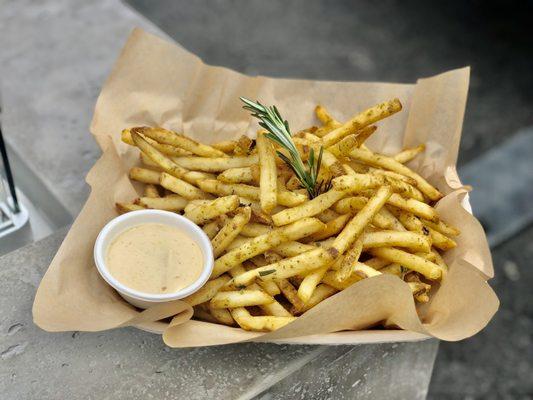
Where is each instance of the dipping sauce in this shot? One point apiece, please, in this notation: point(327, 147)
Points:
point(155, 259)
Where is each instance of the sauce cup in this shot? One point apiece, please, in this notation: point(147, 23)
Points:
point(135, 218)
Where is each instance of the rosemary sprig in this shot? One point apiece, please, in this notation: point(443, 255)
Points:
point(279, 132)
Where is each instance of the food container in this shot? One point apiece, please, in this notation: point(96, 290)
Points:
point(175, 90)
point(126, 221)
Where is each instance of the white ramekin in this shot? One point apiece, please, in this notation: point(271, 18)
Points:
point(135, 218)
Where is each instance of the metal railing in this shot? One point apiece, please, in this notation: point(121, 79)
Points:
point(10, 209)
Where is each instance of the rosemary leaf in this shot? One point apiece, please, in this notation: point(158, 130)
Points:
point(279, 132)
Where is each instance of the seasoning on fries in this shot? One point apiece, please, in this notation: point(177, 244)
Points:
point(295, 218)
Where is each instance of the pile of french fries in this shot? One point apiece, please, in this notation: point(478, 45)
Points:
point(279, 253)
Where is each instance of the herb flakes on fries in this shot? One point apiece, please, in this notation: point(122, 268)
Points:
point(295, 218)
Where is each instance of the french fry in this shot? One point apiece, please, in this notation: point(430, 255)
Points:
point(354, 204)
point(290, 199)
point(240, 298)
point(268, 176)
point(189, 176)
point(290, 293)
point(123, 208)
point(416, 263)
point(293, 183)
point(269, 287)
point(427, 256)
point(330, 278)
point(262, 243)
point(327, 215)
point(172, 138)
point(147, 162)
point(393, 269)
point(272, 257)
point(420, 291)
point(399, 185)
point(323, 115)
point(325, 129)
point(360, 182)
point(230, 230)
point(168, 203)
point(358, 167)
point(213, 227)
point(292, 248)
point(331, 229)
point(393, 174)
point(302, 263)
point(354, 228)
point(357, 183)
point(262, 323)
point(224, 189)
point(145, 175)
point(222, 315)
point(348, 170)
point(394, 223)
point(364, 271)
point(309, 284)
point(237, 270)
point(442, 227)
point(329, 160)
point(377, 263)
point(411, 240)
point(181, 187)
point(308, 209)
point(236, 175)
point(151, 191)
point(202, 312)
point(379, 160)
point(343, 147)
point(201, 213)
point(254, 229)
point(440, 262)
point(258, 216)
point(227, 146)
point(207, 291)
point(413, 224)
point(358, 271)
point(321, 293)
point(350, 259)
point(215, 164)
point(275, 309)
point(163, 148)
point(408, 154)
point(245, 146)
point(416, 207)
point(165, 163)
point(213, 186)
point(441, 241)
point(361, 120)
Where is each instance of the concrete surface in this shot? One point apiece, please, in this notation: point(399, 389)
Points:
point(131, 364)
point(54, 58)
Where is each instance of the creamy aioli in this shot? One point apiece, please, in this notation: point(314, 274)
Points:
point(155, 258)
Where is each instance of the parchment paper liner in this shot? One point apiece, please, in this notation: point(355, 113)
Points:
point(156, 83)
